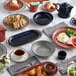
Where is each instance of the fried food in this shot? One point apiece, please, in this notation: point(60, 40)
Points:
point(14, 4)
point(39, 71)
point(50, 5)
point(32, 72)
point(44, 73)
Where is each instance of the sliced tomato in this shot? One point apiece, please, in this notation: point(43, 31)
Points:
point(8, 21)
point(15, 18)
point(74, 41)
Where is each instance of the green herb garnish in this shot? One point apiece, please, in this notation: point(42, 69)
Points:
point(70, 32)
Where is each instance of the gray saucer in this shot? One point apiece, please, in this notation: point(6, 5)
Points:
point(43, 48)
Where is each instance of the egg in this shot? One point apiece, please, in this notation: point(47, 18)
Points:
point(62, 37)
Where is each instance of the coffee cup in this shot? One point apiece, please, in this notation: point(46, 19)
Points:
point(19, 53)
point(33, 6)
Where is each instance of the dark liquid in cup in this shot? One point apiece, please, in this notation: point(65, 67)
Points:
point(19, 52)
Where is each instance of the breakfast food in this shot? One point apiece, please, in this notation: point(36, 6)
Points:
point(68, 37)
point(62, 37)
point(39, 71)
point(14, 4)
point(17, 21)
point(50, 5)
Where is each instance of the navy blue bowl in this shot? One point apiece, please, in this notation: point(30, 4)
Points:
point(62, 55)
point(43, 18)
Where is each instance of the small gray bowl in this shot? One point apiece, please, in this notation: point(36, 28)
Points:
point(43, 48)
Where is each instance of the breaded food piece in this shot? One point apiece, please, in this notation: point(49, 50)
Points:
point(44, 73)
point(32, 72)
point(39, 71)
point(49, 5)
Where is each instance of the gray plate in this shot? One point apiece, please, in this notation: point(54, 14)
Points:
point(3, 49)
point(43, 48)
point(11, 27)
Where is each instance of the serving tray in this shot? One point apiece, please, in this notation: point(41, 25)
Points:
point(24, 37)
point(41, 64)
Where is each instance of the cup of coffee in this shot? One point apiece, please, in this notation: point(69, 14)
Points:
point(19, 53)
point(33, 6)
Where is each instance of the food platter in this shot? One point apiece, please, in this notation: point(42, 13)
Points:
point(44, 7)
point(6, 7)
point(13, 17)
point(57, 32)
point(34, 67)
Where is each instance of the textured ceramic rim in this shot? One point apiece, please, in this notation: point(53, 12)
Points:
point(40, 55)
point(11, 27)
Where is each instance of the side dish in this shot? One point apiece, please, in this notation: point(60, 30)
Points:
point(4, 62)
point(67, 37)
point(17, 21)
point(14, 4)
point(71, 71)
point(50, 5)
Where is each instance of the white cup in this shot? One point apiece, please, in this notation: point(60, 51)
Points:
point(19, 53)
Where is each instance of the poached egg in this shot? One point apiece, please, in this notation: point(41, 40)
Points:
point(62, 37)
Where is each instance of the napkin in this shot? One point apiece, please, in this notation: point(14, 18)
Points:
point(15, 69)
point(63, 65)
point(49, 31)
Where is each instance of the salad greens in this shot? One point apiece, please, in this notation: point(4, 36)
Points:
point(4, 62)
point(72, 71)
point(70, 32)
